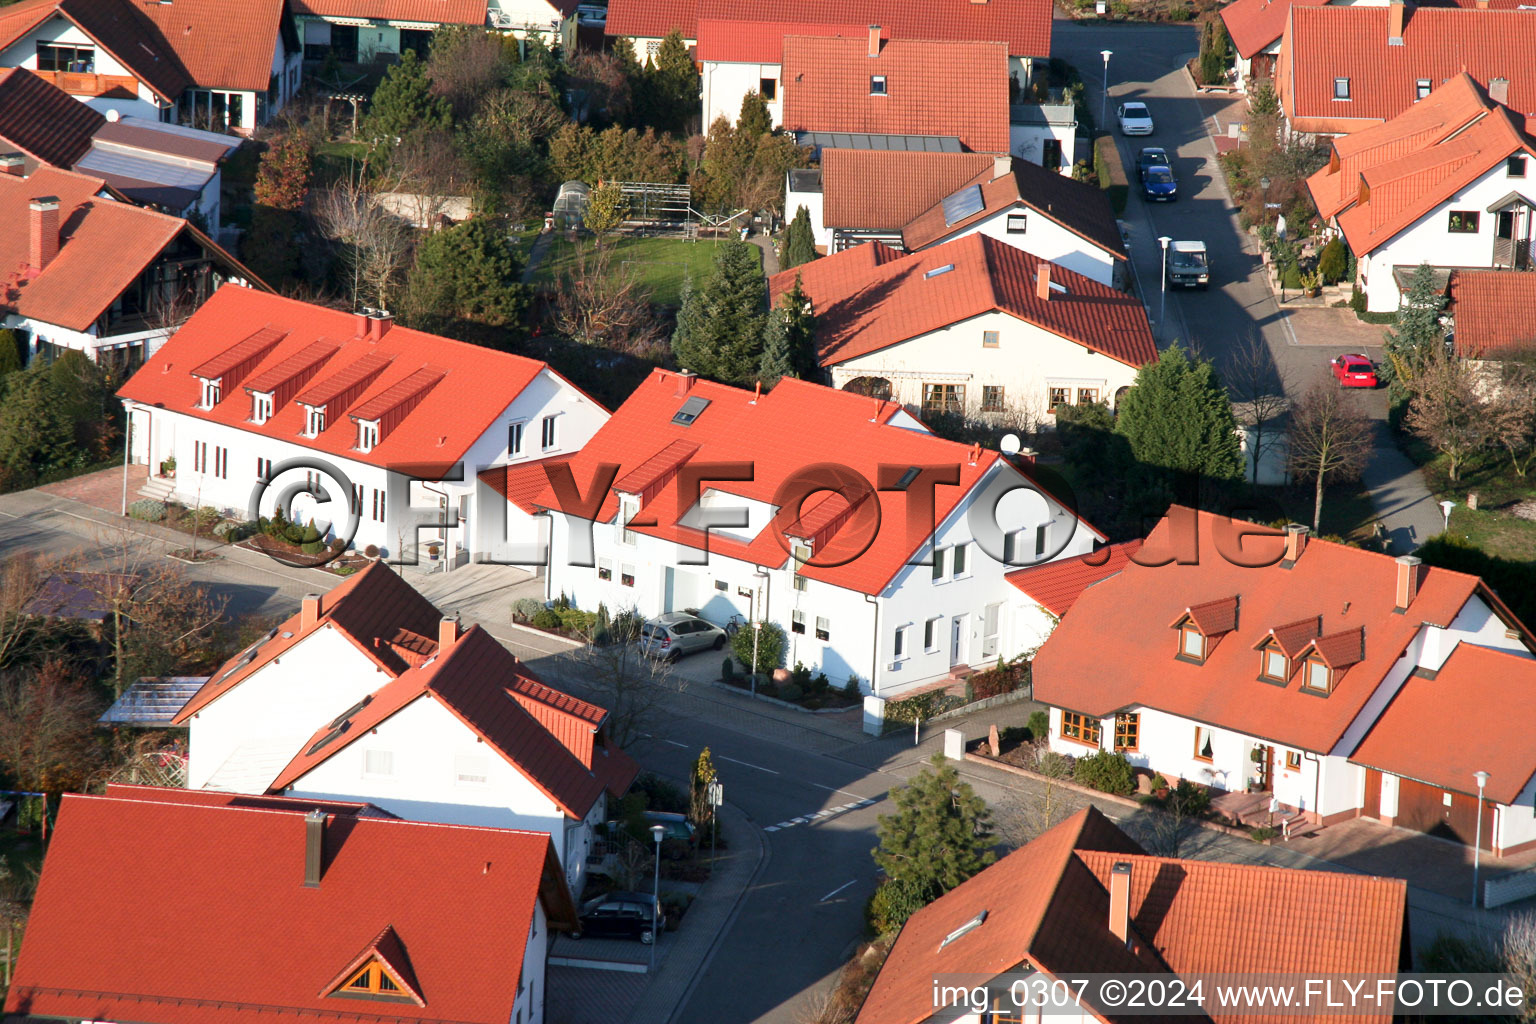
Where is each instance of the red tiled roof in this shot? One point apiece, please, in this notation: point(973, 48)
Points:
point(224, 45)
point(957, 89)
point(657, 469)
point(1254, 24)
point(1055, 586)
point(368, 606)
point(780, 434)
point(761, 42)
point(523, 482)
point(478, 385)
point(1499, 683)
point(436, 12)
point(246, 351)
point(1293, 637)
point(1046, 906)
point(224, 928)
point(1124, 621)
point(1208, 917)
point(1407, 167)
point(1023, 25)
point(884, 188)
point(860, 309)
point(472, 679)
point(104, 245)
point(1495, 312)
point(1324, 43)
point(1075, 206)
point(42, 120)
point(225, 798)
point(1342, 649)
point(1212, 618)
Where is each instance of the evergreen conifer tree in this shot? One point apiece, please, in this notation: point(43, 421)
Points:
point(1177, 416)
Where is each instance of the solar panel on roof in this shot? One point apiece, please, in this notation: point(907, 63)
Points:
point(690, 411)
point(963, 204)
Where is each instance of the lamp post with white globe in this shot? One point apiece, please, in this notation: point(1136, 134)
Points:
point(1104, 103)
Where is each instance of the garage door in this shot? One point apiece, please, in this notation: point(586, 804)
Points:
point(1440, 812)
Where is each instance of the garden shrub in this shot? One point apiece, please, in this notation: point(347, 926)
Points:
point(371, 551)
point(293, 533)
point(1290, 277)
point(770, 647)
point(223, 530)
point(525, 608)
point(728, 668)
point(661, 794)
point(208, 515)
point(1106, 772)
point(820, 684)
point(893, 902)
point(1039, 725)
point(851, 689)
point(545, 618)
point(923, 706)
point(147, 509)
point(1333, 263)
point(790, 692)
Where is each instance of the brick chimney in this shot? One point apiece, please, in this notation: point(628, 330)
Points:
point(1002, 166)
point(1120, 901)
point(379, 324)
point(1043, 282)
point(1295, 543)
point(447, 633)
point(309, 612)
point(44, 222)
point(1498, 90)
point(1397, 13)
point(13, 164)
point(874, 40)
point(360, 321)
point(1407, 581)
point(314, 847)
point(685, 379)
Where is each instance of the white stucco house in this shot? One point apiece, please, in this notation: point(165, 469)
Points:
point(699, 495)
point(971, 326)
point(370, 694)
point(90, 271)
point(381, 428)
point(203, 63)
point(1044, 134)
point(1340, 682)
point(1446, 182)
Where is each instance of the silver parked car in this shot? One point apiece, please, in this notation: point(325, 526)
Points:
point(675, 634)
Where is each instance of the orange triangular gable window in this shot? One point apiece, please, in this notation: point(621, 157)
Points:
point(381, 971)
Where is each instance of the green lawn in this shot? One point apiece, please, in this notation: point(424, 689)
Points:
point(1488, 475)
point(659, 264)
point(335, 160)
point(1347, 508)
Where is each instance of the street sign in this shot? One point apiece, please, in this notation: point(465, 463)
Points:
point(716, 794)
point(1272, 206)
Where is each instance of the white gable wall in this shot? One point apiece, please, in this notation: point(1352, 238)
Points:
point(1047, 240)
point(1027, 362)
point(60, 30)
point(1428, 239)
point(814, 207)
point(286, 700)
point(529, 1005)
point(726, 84)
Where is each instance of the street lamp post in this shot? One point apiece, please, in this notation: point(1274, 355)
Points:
point(757, 621)
point(657, 831)
point(1162, 316)
point(1477, 849)
point(1104, 103)
point(1445, 510)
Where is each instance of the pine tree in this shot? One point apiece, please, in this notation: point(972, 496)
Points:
point(940, 834)
point(466, 273)
point(1177, 416)
point(404, 101)
point(778, 358)
point(669, 94)
point(35, 435)
point(754, 120)
point(720, 327)
point(1418, 339)
point(799, 241)
point(10, 353)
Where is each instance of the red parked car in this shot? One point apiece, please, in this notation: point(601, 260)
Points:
point(1354, 371)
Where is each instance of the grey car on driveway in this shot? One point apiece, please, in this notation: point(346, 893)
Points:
point(675, 634)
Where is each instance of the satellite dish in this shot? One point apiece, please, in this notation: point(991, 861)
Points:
point(114, 116)
point(1011, 444)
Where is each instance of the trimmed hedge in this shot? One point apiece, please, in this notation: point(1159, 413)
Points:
point(1111, 173)
point(147, 509)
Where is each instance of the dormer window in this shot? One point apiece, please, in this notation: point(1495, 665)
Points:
point(1274, 666)
point(1317, 676)
point(1191, 643)
point(1421, 89)
point(877, 85)
point(211, 393)
point(314, 422)
point(367, 436)
point(261, 408)
point(375, 981)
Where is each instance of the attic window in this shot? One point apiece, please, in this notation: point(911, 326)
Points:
point(690, 411)
point(1341, 88)
point(877, 85)
point(1317, 677)
point(354, 709)
point(1018, 223)
point(373, 982)
point(1421, 89)
point(211, 394)
point(367, 436)
point(969, 926)
point(261, 408)
point(1274, 666)
point(936, 271)
point(314, 422)
point(907, 478)
point(1191, 643)
point(1514, 167)
point(329, 738)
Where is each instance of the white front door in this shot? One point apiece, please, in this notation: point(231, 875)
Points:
point(957, 641)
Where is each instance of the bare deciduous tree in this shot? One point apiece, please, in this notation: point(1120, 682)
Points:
point(617, 676)
point(372, 242)
point(47, 717)
point(604, 306)
point(1257, 388)
point(1446, 411)
point(427, 171)
point(1512, 415)
point(1329, 440)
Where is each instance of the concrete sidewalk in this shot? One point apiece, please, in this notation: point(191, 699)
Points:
point(1404, 504)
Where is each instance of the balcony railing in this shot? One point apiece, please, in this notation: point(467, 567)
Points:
point(87, 83)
